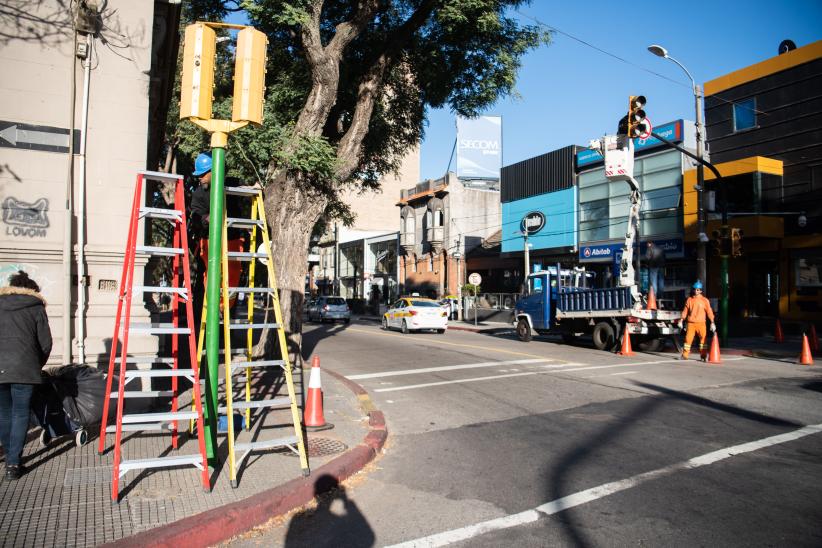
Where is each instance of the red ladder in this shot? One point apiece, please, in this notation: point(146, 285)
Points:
point(180, 294)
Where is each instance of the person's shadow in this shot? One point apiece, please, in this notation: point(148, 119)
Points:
point(344, 526)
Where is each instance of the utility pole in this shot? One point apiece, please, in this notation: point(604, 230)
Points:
point(701, 266)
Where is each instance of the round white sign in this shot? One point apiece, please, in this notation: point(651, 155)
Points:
point(475, 279)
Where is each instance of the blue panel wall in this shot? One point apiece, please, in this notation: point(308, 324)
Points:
point(560, 228)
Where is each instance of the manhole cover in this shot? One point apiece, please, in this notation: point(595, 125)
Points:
point(321, 447)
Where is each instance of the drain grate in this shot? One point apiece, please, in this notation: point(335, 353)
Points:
point(97, 475)
point(321, 447)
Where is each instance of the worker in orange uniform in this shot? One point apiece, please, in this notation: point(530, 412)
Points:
point(697, 308)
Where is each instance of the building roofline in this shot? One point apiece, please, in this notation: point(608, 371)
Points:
point(764, 68)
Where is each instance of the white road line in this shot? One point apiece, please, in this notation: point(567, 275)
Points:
point(561, 368)
point(443, 368)
point(589, 495)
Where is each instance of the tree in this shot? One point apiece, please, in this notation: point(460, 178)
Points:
point(348, 87)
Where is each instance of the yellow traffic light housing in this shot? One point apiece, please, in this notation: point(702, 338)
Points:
point(249, 76)
point(198, 72)
point(637, 126)
point(736, 242)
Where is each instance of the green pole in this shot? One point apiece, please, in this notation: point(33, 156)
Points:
point(215, 251)
point(723, 303)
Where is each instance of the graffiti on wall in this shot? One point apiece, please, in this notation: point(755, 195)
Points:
point(26, 219)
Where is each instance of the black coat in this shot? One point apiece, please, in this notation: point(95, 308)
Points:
point(25, 337)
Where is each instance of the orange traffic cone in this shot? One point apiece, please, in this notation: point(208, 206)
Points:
point(651, 300)
point(626, 344)
point(805, 357)
point(778, 337)
point(313, 417)
point(814, 340)
point(713, 355)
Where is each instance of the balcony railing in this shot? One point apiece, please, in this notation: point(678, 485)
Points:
point(426, 186)
point(434, 234)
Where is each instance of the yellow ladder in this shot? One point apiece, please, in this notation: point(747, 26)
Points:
point(256, 223)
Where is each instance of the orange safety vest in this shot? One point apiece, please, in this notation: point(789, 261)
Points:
point(696, 308)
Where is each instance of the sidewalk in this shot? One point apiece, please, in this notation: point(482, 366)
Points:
point(65, 497)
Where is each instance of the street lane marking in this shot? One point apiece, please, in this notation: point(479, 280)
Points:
point(589, 495)
point(554, 368)
point(446, 343)
point(443, 368)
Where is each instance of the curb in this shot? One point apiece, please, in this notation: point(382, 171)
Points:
point(224, 522)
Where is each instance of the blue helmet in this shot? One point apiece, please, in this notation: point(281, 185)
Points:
point(202, 164)
point(697, 285)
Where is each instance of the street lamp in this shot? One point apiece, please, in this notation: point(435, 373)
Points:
point(701, 270)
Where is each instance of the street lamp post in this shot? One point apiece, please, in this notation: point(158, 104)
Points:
point(701, 269)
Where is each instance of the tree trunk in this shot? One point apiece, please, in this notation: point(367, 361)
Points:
point(291, 214)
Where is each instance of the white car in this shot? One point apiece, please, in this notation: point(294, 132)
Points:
point(415, 313)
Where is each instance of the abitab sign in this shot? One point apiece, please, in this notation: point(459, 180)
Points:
point(479, 147)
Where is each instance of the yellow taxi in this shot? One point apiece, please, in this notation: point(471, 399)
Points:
point(415, 313)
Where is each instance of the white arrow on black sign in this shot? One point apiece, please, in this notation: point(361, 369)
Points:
point(45, 138)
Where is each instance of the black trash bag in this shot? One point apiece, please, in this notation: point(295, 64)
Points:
point(82, 390)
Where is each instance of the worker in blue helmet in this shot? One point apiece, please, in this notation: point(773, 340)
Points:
point(199, 221)
point(696, 312)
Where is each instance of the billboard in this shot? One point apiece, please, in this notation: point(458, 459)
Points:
point(550, 220)
point(479, 147)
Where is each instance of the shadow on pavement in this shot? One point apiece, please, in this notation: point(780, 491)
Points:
point(345, 526)
point(558, 484)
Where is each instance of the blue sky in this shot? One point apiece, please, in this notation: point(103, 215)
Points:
point(571, 93)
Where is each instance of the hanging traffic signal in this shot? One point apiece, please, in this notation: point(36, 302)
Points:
point(736, 242)
point(637, 125)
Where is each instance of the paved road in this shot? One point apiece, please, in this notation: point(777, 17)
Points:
point(494, 442)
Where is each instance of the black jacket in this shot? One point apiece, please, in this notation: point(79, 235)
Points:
point(25, 337)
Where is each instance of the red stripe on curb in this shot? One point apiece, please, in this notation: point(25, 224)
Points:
point(222, 523)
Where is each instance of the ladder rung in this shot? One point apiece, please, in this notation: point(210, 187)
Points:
point(144, 394)
point(161, 213)
point(139, 427)
point(160, 289)
point(147, 359)
point(159, 417)
point(158, 329)
point(243, 223)
point(251, 290)
point(160, 176)
point(161, 462)
point(159, 251)
point(242, 191)
point(267, 444)
point(258, 363)
point(243, 324)
point(160, 373)
point(245, 255)
point(260, 404)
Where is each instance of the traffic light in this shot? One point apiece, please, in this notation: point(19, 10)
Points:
point(716, 243)
point(249, 76)
point(196, 86)
point(637, 125)
point(736, 242)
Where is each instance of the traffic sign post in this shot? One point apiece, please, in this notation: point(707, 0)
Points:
point(475, 280)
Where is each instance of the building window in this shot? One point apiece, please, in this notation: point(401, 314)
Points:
point(744, 114)
point(430, 263)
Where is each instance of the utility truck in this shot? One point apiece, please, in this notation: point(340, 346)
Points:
point(559, 301)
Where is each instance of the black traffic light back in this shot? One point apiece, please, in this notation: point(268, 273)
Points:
point(636, 124)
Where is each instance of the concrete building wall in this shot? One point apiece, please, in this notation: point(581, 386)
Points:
point(376, 210)
point(37, 91)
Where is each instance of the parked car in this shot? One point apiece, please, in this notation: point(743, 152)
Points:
point(415, 313)
point(329, 309)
